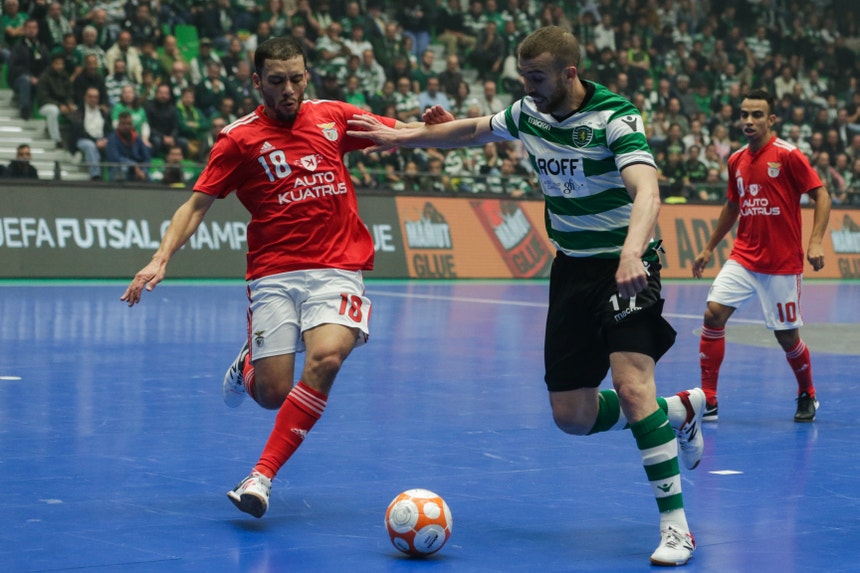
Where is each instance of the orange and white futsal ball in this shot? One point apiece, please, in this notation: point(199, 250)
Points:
point(419, 522)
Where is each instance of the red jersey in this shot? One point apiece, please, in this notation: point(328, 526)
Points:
point(293, 181)
point(768, 185)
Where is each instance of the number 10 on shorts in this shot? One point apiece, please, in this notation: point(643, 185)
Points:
point(787, 312)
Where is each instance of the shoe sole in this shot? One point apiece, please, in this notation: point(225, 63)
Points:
point(249, 503)
point(231, 398)
point(670, 563)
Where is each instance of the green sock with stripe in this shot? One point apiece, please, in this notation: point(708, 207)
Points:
point(659, 449)
point(610, 417)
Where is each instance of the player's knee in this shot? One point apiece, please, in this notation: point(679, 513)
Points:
point(717, 316)
point(326, 364)
point(270, 394)
point(574, 428)
point(787, 339)
point(628, 392)
point(571, 421)
point(321, 368)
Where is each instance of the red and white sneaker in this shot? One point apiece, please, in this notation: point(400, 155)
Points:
point(676, 547)
point(233, 386)
point(252, 494)
point(690, 441)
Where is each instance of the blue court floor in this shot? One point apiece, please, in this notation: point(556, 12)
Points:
point(116, 451)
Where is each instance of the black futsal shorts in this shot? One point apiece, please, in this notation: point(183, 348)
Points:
point(588, 319)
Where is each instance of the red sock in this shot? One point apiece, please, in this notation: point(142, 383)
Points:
point(712, 350)
point(298, 414)
point(248, 377)
point(798, 359)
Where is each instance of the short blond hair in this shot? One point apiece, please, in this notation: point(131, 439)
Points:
point(554, 40)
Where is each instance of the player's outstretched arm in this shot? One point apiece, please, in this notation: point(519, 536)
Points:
point(820, 218)
point(431, 116)
point(458, 133)
point(436, 114)
point(727, 219)
point(185, 221)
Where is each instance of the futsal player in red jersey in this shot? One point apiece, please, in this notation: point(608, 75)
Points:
point(307, 248)
point(767, 179)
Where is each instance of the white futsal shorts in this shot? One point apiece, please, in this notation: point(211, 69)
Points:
point(285, 305)
point(779, 294)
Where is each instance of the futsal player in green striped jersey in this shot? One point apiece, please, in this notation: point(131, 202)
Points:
point(588, 149)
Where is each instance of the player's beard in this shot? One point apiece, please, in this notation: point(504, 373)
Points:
point(285, 114)
point(554, 101)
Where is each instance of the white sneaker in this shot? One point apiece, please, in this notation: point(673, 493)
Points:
point(676, 547)
point(690, 441)
point(233, 387)
point(252, 494)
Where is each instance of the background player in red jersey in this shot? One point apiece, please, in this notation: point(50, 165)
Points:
point(767, 179)
point(307, 248)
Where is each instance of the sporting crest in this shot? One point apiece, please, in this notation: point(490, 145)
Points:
point(582, 135)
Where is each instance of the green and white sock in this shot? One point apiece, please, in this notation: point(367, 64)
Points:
point(609, 414)
point(610, 417)
point(659, 449)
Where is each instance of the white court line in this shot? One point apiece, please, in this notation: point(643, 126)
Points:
point(526, 303)
point(457, 299)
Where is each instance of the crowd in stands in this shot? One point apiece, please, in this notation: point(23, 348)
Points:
point(114, 84)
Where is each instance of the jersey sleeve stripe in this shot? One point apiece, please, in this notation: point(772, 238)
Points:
point(629, 159)
point(510, 122)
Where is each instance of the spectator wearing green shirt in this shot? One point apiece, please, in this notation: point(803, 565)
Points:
point(72, 59)
point(192, 123)
point(129, 102)
point(12, 22)
point(354, 95)
point(209, 92)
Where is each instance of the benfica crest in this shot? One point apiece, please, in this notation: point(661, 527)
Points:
point(773, 169)
point(582, 135)
point(329, 131)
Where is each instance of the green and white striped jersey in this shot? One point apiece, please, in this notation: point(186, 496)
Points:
point(579, 161)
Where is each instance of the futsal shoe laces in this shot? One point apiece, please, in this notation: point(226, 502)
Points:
point(676, 547)
point(233, 387)
point(807, 406)
point(252, 494)
point(690, 440)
